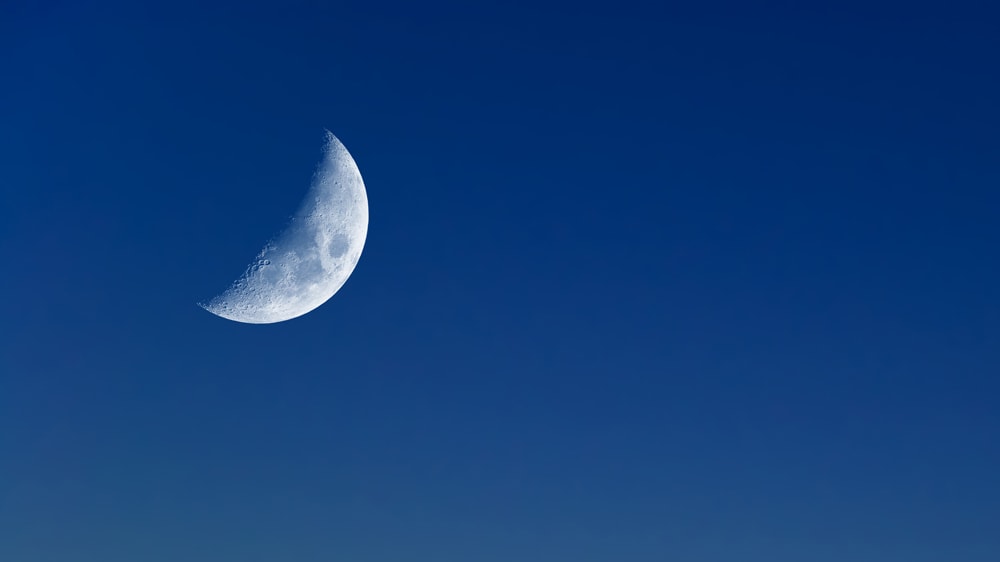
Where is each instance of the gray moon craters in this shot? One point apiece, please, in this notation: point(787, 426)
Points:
point(312, 258)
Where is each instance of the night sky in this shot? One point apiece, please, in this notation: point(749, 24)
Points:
point(641, 284)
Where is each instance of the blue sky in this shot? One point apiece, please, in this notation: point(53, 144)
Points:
point(641, 283)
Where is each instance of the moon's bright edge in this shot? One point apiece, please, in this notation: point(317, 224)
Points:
point(307, 263)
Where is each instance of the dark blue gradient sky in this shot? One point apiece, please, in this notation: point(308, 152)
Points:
point(641, 284)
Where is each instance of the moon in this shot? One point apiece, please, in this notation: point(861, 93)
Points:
point(305, 265)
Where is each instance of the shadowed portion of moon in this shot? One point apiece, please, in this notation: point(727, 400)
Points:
point(312, 258)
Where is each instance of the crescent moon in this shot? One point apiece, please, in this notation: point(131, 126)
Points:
point(305, 265)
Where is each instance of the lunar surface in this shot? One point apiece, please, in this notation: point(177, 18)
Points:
point(312, 258)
